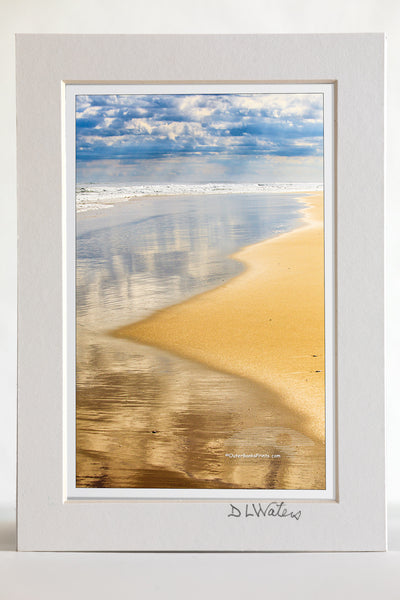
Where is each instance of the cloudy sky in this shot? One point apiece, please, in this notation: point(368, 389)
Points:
point(199, 138)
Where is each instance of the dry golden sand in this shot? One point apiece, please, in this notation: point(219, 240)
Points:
point(266, 324)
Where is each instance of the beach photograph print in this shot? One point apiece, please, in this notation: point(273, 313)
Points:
point(200, 340)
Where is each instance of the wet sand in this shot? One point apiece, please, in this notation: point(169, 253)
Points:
point(149, 419)
point(266, 325)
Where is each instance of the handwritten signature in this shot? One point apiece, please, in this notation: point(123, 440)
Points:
point(273, 509)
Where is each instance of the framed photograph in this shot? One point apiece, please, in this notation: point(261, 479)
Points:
point(196, 366)
point(201, 292)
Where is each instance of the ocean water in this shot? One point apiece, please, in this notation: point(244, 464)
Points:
point(147, 254)
point(94, 197)
point(146, 418)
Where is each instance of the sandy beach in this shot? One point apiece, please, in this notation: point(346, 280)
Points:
point(265, 325)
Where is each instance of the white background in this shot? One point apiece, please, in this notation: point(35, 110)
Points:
point(184, 16)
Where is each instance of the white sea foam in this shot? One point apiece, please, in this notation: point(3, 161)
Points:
point(95, 197)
